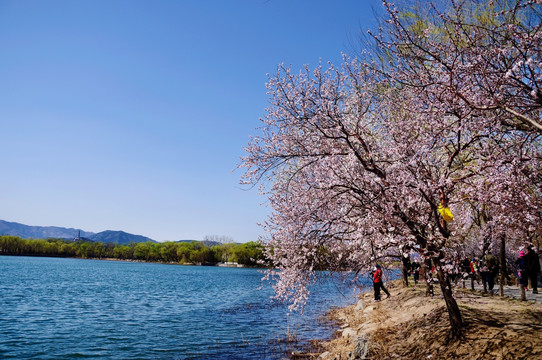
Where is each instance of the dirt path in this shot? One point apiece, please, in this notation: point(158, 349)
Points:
point(412, 326)
point(513, 292)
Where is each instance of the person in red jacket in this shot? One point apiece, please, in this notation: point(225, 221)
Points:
point(378, 283)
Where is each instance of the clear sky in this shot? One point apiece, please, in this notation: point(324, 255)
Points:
point(132, 115)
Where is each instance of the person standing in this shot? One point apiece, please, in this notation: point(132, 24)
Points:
point(474, 271)
point(490, 271)
point(533, 267)
point(378, 283)
point(522, 269)
point(465, 269)
point(415, 270)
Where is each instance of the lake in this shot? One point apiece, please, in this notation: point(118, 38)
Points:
point(54, 308)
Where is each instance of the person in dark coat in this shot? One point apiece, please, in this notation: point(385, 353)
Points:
point(491, 269)
point(532, 267)
point(521, 263)
point(415, 270)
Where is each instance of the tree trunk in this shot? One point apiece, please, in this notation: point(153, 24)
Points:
point(456, 322)
point(522, 288)
point(503, 264)
point(406, 268)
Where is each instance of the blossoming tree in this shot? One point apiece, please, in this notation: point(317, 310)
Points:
point(356, 160)
point(481, 63)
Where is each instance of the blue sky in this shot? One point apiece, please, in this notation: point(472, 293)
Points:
point(132, 115)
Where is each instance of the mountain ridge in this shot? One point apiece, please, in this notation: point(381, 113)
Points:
point(43, 232)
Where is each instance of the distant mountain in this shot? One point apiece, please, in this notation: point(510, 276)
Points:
point(43, 232)
point(40, 232)
point(118, 237)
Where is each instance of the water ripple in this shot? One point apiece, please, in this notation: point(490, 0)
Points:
point(70, 309)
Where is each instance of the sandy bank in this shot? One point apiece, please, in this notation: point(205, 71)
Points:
point(413, 326)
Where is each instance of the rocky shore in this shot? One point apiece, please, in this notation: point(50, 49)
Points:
point(410, 325)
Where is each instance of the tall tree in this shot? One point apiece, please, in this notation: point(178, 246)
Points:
point(358, 160)
point(351, 167)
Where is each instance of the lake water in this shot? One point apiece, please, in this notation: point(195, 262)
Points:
point(53, 308)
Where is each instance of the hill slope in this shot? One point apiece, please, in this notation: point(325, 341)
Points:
point(118, 237)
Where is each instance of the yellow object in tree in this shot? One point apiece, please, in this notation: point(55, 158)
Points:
point(445, 213)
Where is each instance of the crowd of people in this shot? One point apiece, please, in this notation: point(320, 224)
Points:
point(486, 269)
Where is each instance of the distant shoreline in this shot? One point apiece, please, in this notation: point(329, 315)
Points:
point(251, 254)
point(231, 265)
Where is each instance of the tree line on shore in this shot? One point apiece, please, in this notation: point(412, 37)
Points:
point(195, 252)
